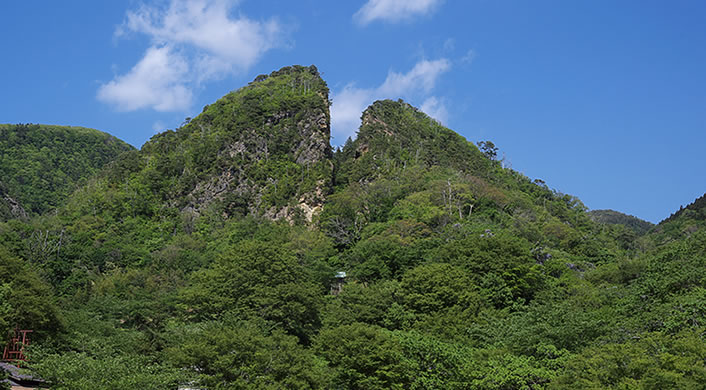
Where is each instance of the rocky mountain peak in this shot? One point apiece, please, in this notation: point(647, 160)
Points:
point(262, 150)
point(394, 133)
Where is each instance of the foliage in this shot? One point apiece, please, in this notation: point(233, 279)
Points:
point(6, 309)
point(363, 357)
point(489, 149)
point(208, 257)
point(435, 363)
point(255, 279)
point(83, 371)
point(501, 265)
point(242, 355)
point(41, 165)
point(654, 361)
point(612, 217)
point(27, 301)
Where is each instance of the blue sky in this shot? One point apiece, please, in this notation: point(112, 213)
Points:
point(605, 100)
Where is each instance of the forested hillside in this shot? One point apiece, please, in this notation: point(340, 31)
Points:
point(41, 165)
point(207, 259)
point(686, 220)
point(613, 217)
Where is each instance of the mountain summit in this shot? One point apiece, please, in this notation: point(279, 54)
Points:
point(261, 150)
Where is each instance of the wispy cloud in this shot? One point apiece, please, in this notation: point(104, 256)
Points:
point(157, 81)
point(192, 41)
point(435, 108)
point(394, 11)
point(468, 57)
point(349, 103)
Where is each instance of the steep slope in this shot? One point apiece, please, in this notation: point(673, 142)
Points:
point(40, 165)
point(262, 150)
point(612, 217)
point(683, 222)
point(695, 210)
point(393, 133)
point(269, 146)
point(406, 165)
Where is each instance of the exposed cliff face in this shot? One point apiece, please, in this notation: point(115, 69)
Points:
point(262, 150)
point(9, 207)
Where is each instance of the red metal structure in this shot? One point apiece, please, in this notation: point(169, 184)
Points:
point(14, 350)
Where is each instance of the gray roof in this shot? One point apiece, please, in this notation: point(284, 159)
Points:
point(17, 374)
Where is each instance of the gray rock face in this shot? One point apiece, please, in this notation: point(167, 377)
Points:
point(315, 132)
point(9, 207)
point(276, 158)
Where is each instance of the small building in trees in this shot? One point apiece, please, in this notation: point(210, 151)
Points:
point(338, 282)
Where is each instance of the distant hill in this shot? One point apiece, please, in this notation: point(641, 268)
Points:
point(41, 165)
point(612, 217)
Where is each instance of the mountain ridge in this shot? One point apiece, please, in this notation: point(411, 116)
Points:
point(617, 218)
point(408, 258)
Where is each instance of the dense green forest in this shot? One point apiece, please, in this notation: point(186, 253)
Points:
point(41, 165)
point(207, 259)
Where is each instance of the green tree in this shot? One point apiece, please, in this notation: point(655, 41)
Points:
point(653, 361)
point(29, 302)
point(86, 371)
point(6, 309)
point(430, 288)
point(243, 356)
point(256, 279)
point(489, 149)
point(363, 357)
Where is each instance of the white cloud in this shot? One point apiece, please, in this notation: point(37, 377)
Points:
point(210, 45)
point(156, 81)
point(204, 24)
point(422, 77)
point(435, 108)
point(394, 10)
point(349, 104)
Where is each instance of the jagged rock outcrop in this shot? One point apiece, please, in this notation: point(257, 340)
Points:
point(9, 207)
point(261, 150)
